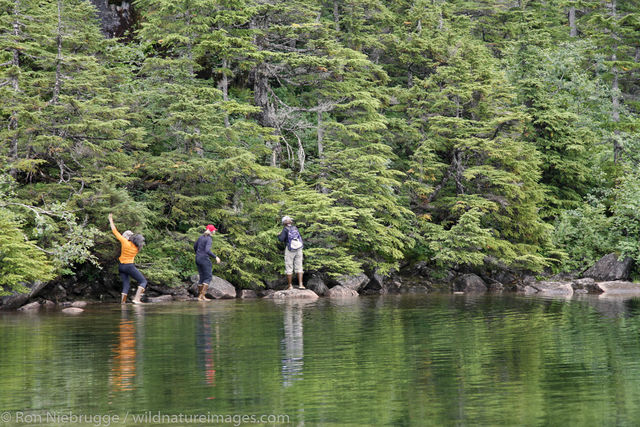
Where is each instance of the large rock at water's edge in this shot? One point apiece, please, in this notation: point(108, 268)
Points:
point(292, 294)
point(16, 300)
point(619, 287)
point(608, 268)
point(72, 310)
point(586, 285)
point(278, 283)
point(469, 283)
point(379, 284)
point(341, 292)
point(161, 298)
point(221, 289)
point(32, 306)
point(317, 285)
point(248, 294)
point(79, 304)
point(550, 288)
point(355, 282)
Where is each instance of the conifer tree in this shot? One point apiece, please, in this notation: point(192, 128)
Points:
point(472, 173)
point(20, 259)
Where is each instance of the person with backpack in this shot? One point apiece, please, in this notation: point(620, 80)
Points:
point(293, 250)
point(202, 248)
point(130, 244)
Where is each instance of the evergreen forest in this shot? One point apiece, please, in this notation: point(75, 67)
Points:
point(467, 134)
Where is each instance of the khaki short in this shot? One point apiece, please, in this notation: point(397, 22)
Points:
point(293, 261)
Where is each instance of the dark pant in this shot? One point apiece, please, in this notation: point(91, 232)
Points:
point(129, 270)
point(204, 269)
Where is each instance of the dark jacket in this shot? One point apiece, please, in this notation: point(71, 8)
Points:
point(202, 246)
point(284, 236)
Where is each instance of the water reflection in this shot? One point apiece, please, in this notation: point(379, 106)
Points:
point(204, 346)
point(125, 352)
point(292, 344)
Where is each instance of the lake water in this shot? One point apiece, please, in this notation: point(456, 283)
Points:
point(393, 360)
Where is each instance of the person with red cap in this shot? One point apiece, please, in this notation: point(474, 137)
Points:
point(202, 248)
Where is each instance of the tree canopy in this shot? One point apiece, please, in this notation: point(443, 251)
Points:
point(464, 133)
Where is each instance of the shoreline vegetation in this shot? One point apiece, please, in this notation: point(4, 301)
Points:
point(459, 142)
point(608, 276)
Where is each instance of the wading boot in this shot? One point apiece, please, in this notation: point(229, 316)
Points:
point(139, 292)
point(203, 292)
point(123, 298)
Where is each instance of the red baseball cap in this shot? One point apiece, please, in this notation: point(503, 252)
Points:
point(211, 228)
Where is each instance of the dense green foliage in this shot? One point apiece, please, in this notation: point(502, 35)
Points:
point(459, 133)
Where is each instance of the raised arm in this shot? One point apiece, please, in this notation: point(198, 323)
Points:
point(115, 230)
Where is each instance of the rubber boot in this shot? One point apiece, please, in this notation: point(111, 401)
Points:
point(289, 281)
point(300, 285)
point(139, 292)
point(199, 290)
point(203, 292)
point(123, 298)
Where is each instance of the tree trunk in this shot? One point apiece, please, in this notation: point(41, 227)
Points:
point(225, 90)
point(15, 84)
point(58, 82)
point(573, 32)
point(267, 117)
point(320, 135)
point(615, 113)
point(615, 94)
point(336, 15)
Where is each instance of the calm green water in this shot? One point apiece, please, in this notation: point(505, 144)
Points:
point(413, 360)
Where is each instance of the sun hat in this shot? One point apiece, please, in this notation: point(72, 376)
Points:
point(211, 228)
point(127, 234)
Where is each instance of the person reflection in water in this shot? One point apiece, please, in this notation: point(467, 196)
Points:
point(293, 345)
point(204, 348)
point(123, 363)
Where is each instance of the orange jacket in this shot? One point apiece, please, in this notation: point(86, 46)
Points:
point(128, 251)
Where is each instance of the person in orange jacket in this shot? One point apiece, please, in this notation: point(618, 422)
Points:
point(130, 246)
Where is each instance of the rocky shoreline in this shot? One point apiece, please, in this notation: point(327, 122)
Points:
point(608, 276)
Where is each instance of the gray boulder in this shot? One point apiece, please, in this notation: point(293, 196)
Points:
point(414, 289)
point(608, 268)
point(552, 288)
point(266, 293)
point(292, 293)
point(32, 306)
point(495, 286)
point(161, 298)
point(586, 285)
point(355, 282)
point(316, 284)
point(248, 294)
point(469, 283)
point(16, 300)
point(279, 283)
point(79, 304)
point(619, 287)
point(341, 292)
point(72, 310)
point(221, 289)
